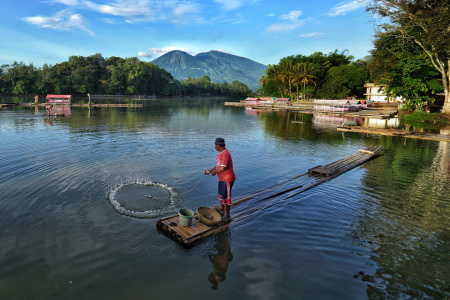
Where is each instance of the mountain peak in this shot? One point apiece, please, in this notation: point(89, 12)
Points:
point(219, 66)
point(175, 52)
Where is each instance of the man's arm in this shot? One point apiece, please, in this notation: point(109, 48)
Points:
point(214, 171)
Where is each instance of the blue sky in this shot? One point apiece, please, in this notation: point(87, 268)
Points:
point(49, 31)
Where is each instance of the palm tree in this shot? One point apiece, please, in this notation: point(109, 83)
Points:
point(304, 74)
point(287, 70)
point(273, 74)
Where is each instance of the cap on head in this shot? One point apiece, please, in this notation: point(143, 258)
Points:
point(219, 141)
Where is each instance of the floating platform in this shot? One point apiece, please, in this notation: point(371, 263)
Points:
point(188, 235)
point(396, 132)
point(107, 105)
point(265, 198)
point(7, 104)
point(85, 105)
point(376, 112)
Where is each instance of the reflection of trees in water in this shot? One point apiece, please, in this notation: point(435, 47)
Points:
point(405, 221)
point(265, 275)
point(152, 114)
point(332, 122)
point(296, 126)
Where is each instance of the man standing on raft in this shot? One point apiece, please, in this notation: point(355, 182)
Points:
point(225, 172)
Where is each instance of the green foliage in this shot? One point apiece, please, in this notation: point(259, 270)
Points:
point(335, 85)
point(424, 24)
point(203, 86)
point(421, 119)
point(318, 75)
point(95, 74)
point(404, 70)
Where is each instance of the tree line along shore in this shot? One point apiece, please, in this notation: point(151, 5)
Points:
point(95, 74)
point(410, 59)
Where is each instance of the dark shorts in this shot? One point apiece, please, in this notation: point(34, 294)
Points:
point(225, 192)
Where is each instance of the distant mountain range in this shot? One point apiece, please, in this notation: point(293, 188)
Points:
point(219, 66)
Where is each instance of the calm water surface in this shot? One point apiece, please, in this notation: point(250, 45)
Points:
point(380, 231)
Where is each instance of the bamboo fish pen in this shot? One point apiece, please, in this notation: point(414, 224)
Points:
point(265, 198)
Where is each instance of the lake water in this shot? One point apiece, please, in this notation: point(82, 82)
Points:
point(379, 231)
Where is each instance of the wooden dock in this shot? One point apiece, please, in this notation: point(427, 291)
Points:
point(396, 132)
point(86, 105)
point(265, 198)
point(107, 105)
point(7, 104)
point(374, 112)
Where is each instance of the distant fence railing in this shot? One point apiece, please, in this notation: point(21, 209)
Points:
point(104, 96)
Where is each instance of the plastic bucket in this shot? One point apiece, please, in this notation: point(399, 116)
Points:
point(185, 217)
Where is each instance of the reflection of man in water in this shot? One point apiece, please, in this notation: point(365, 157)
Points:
point(49, 108)
point(220, 260)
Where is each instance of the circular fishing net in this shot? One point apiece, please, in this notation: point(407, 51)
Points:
point(143, 199)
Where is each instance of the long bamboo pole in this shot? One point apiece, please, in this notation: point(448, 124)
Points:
point(301, 183)
point(360, 161)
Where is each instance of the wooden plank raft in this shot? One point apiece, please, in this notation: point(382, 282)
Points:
point(188, 235)
point(266, 198)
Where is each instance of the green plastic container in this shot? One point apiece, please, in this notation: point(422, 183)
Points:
point(185, 216)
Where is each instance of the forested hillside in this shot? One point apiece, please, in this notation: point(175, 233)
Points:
point(114, 75)
point(218, 66)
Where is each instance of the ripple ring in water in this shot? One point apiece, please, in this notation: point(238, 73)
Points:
point(147, 214)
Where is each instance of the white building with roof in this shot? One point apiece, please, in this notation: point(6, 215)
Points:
point(376, 94)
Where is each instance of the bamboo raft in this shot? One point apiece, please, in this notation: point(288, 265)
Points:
point(396, 132)
point(264, 198)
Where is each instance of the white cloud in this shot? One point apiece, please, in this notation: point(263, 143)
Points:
point(233, 4)
point(67, 2)
point(283, 27)
point(292, 16)
point(143, 54)
point(162, 51)
point(292, 22)
point(184, 9)
point(345, 7)
point(229, 4)
point(173, 11)
point(227, 19)
point(61, 21)
point(176, 11)
point(222, 50)
point(186, 14)
point(128, 9)
point(312, 34)
point(111, 21)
